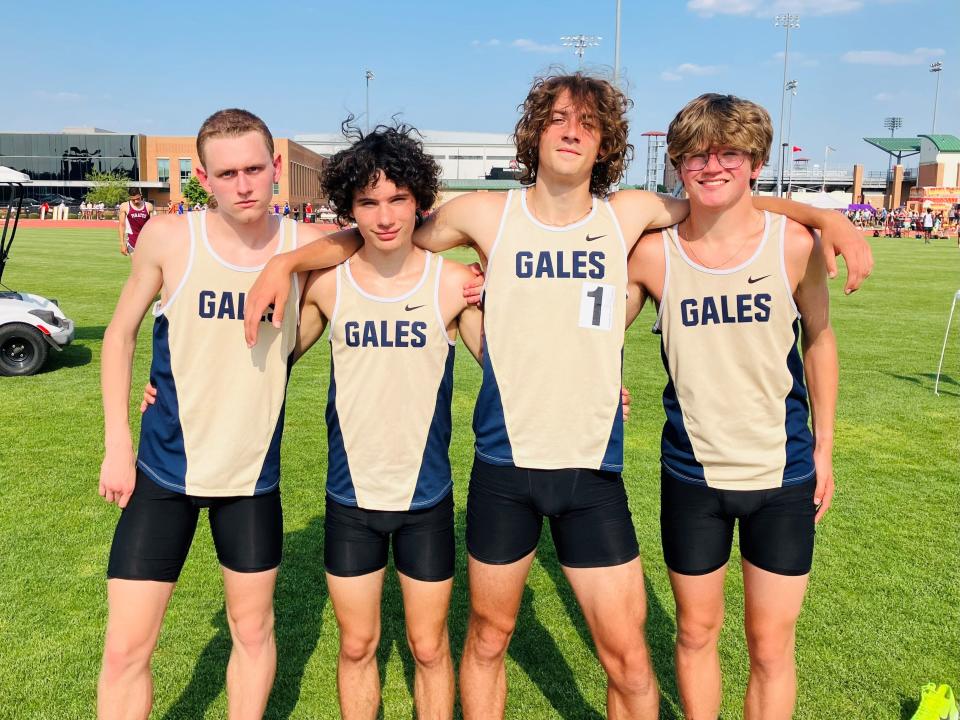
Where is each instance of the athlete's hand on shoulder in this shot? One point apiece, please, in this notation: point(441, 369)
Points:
point(473, 290)
point(625, 402)
point(271, 288)
point(149, 397)
point(842, 237)
point(823, 494)
point(118, 476)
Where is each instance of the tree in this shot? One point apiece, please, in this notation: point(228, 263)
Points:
point(194, 193)
point(108, 188)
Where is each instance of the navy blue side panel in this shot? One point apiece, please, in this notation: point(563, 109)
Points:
point(339, 481)
point(160, 454)
point(270, 472)
point(676, 451)
point(493, 443)
point(613, 456)
point(434, 479)
point(799, 465)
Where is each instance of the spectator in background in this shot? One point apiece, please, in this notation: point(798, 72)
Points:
point(308, 212)
point(286, 209)
point(180, 208)
point(927, 226)
point(44, 209)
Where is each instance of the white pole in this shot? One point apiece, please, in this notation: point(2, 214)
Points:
point(936, 385)
point(616, 51)
point(936, 68)
point(786, 21)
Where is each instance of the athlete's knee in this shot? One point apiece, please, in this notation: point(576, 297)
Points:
point(698, 634)
point(125, 653)
point(771, 654)
point(358, 647)
point(430, 651)
point(628, 669)
point(252, 631)
point(489, 637)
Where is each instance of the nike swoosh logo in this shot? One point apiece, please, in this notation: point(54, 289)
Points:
point(752, 280)
point(415, 307)
point(591, 238)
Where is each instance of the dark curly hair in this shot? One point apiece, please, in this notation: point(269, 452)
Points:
point(390, 149)
point(601, 99)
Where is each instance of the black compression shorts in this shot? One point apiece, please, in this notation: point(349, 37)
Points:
point(776, 526)
point(356, 541)
point(589, 517)
point(156, 529)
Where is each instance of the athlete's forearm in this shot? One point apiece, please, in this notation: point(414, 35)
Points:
point(115, 377)
point(822, 370)
point(470, 325)
point(324, 252)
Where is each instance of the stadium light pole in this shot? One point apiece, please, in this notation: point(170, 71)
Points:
point(616, 50)
point(789, 22)
point(790, 87)
point(936, 68)
point(580, 43)
point(826, 153)
point(891, 124)
point(369, 76)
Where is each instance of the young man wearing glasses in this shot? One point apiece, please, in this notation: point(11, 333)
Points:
point(734, 287)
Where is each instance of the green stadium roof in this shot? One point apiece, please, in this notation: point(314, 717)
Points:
point(896, 146)
point(944, 143)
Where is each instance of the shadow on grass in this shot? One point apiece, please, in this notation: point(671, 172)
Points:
point(908, 707)
point(300, 598)
point(927, 381)
point(71, 356)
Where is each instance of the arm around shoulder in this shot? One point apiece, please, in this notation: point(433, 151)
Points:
point(470, 219)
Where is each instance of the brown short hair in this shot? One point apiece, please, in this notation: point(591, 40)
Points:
point(232, 122)
point(714, 119)
point(602, 100)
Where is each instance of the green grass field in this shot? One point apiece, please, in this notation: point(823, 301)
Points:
point(883, 610)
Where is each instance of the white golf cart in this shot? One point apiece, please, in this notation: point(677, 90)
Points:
point(29, 324)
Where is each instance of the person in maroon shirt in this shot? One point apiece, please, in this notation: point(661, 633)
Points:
point(133, 215)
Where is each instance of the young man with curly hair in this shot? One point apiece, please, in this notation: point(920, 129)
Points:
point(393, 311)
point(735, 287)
point(213, 438)
point(548, 424)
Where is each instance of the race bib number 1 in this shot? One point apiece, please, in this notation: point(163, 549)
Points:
point(596, 306)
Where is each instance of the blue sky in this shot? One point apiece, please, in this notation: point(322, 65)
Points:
point(466, 65)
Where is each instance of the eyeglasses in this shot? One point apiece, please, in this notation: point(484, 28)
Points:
point(728, 159)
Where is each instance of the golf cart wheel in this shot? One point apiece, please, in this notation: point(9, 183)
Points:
point(22, 349)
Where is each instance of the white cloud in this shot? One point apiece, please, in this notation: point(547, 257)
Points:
point(917, 56)
point(690, 69)
point(883, 97)
point(61, 96)
point(765, 8)
point(533, 46)
point(492, 42)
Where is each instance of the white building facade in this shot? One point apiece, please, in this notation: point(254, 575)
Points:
point(461, 155)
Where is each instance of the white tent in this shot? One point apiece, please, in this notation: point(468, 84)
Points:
point(826, 201)
point(7, 175)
